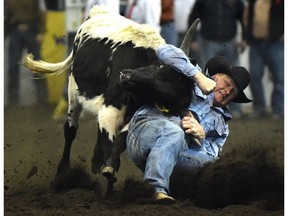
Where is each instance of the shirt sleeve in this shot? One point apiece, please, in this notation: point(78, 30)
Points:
point(176, 58)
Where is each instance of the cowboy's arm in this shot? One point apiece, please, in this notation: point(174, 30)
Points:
point(176, 58)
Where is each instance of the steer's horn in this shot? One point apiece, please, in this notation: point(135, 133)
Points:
point(186, 43)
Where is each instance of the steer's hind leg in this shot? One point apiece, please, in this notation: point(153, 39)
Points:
point(70, 130)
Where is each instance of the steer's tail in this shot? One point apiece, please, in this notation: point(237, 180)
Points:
point(45, 68)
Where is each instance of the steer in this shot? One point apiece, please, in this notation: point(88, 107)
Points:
point(105, 45)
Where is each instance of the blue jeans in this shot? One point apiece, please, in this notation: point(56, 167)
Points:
point(169, 33)
point(269, 54)
point(192, 158)
point(19, 40)
point(155, 145)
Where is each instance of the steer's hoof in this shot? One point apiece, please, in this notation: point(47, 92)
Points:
point(106, 186)
point(63, 167)
point(109, 173)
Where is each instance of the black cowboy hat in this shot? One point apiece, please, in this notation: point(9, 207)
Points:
point(239, 74)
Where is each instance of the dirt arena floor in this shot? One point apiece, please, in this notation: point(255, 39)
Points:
point(247, 180)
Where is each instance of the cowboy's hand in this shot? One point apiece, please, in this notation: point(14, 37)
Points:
point(191, 126)
point(206, 84)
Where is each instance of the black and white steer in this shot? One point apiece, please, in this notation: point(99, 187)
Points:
point(105, 45)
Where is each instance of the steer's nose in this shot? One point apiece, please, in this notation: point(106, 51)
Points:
point(126, 74)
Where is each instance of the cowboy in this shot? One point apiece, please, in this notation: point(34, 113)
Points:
point(158, 143)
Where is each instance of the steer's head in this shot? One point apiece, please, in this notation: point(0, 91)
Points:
point(139, 82)
point(160, 84)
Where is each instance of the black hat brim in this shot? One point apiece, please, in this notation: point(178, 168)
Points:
point(220, 64)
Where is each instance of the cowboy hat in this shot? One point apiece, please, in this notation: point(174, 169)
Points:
point(239, 74)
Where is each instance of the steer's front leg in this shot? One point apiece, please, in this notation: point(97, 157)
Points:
point(97, 159)
point(110, 120)
point(113, 161)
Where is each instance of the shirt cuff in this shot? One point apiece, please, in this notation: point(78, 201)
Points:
point(176, 58)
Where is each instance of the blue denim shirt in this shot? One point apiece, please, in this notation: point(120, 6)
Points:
point(212, 119)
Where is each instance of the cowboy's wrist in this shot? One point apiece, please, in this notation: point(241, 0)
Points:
point(198, 77)
point(201, 133)
point(200, 136)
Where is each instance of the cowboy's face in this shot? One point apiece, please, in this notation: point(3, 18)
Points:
point(225, 90)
